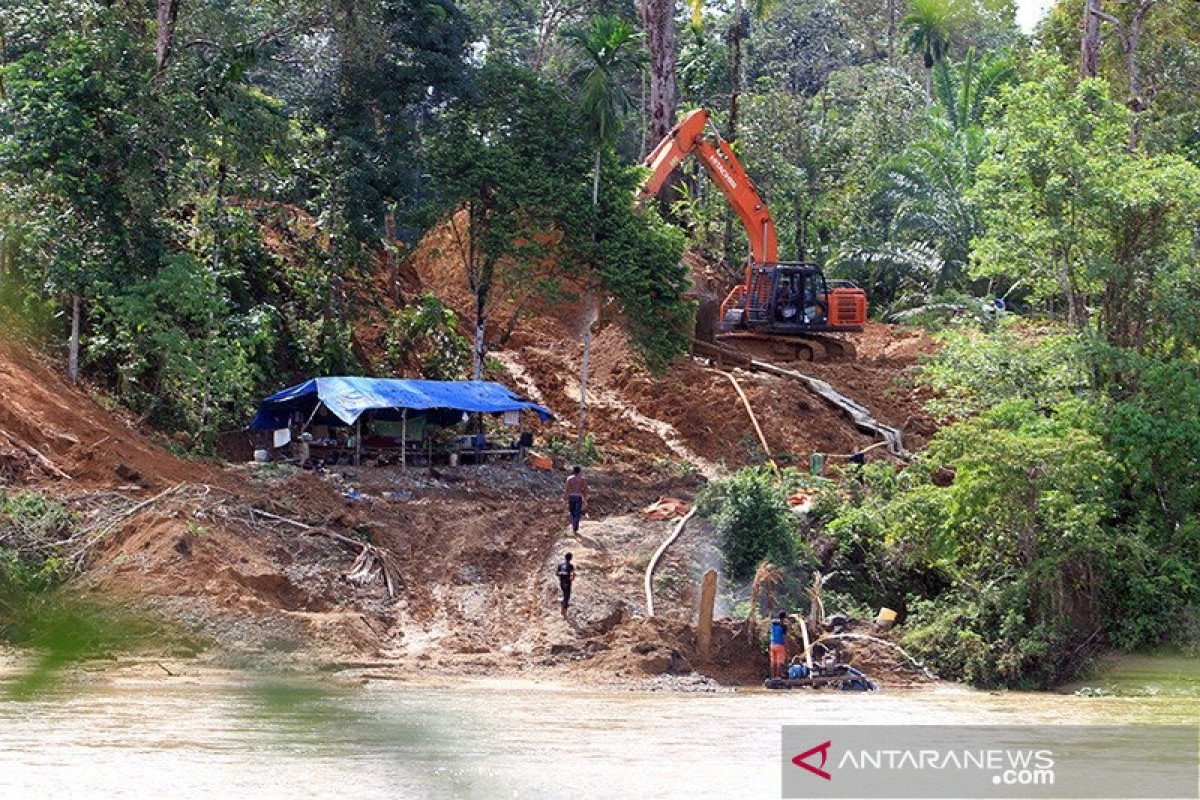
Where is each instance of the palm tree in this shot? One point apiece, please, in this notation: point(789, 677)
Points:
point(929, 23)
point(963, 89)
point(608, 50)
point(925, 189)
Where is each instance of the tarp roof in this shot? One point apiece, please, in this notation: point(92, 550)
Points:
point(347, 398)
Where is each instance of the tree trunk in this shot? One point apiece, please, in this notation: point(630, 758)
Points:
point(1089, 43)
point(658, 16)
point(587, 330)
point(735, 69)
point(1137, 103)
point(479, 350)
point(168, 12)
point(393, 258)
point(596, 180)
point(583, 372)
point(929, 87)
point(891, 36)
point(1129, 44)
point(73, 346)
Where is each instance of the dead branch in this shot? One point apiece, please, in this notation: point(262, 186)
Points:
point(80, 554)
point(37, 456)
point(372, 562)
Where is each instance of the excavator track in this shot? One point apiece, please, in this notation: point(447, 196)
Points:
point(786, 349)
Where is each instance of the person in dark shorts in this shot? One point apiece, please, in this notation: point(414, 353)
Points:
point(577, 492)
point(566, 576)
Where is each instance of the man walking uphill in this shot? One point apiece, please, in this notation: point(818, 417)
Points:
point(566, 576)
point(577, 492)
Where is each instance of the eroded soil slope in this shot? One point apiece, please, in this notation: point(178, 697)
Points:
point(692, 413)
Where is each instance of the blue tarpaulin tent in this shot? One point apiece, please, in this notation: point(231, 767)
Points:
point(348, 398)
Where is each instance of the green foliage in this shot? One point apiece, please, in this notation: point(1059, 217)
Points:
point(640, 262)
point(424, 338)
point(963, 90)
point(76, 164)
point(566, 450)
point(751, 515)
point(923, 193)
point(1083, 220)
point(31, 528)
point(932, 219)
point(1006, 569)
point(974, 371)
point(607, 47)
point(929, 23)
point(179, 349)
point(1049, 519)
point(512, 158)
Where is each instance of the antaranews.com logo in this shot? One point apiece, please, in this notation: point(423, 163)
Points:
point(927, 761)
point(1012, 767)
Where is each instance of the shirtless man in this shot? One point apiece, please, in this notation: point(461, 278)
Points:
point(577, 492)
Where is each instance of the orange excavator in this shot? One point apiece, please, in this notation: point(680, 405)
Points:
point(783, 309)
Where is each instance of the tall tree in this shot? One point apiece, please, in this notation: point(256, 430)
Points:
point(1084, 219)
point(608, 52)
point(509, 160)
point(928, 23)
point(658, 17)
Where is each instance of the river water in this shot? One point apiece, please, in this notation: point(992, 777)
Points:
point(208, 735)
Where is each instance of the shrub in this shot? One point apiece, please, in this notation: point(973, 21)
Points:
point(751, 515)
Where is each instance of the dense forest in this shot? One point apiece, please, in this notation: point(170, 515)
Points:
point(1035, 197)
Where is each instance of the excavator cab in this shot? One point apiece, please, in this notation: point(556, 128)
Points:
point(780, 311)
point(791, 298)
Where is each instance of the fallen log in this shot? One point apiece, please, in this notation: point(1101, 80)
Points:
point(37, 456)
point(372, 562)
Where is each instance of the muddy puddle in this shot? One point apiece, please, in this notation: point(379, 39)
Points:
point(115, 733)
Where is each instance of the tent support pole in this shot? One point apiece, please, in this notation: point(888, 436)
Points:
point(312, 416)
point(358, 441)
point(403, 438)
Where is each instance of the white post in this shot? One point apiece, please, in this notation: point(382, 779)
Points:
point(358, 441)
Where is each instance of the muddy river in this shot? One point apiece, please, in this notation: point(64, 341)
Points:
point(131, 733)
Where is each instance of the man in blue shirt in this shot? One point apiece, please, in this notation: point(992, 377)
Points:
point(779, 629)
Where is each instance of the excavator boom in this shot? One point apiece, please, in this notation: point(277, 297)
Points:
point(688, 138)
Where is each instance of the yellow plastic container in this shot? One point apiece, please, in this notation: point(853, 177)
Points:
point(886, 616)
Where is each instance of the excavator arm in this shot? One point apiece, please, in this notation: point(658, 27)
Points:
point(714, 153)
point(780, 308)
